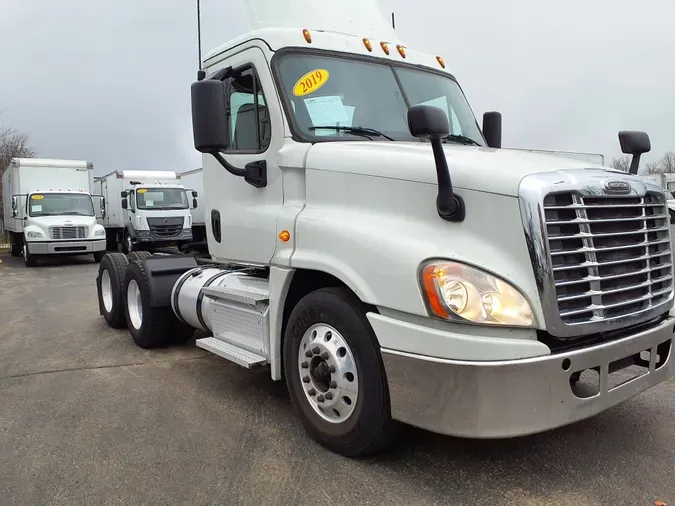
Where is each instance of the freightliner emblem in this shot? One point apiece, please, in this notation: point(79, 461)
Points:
point(617, 187)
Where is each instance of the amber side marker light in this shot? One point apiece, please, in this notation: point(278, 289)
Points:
point(284, 235)
point(307, 35)
point(401, 50)
point(385, 47)
point(440, 61)
point(368, 45)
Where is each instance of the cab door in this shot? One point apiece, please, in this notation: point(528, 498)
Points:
point(240, 218)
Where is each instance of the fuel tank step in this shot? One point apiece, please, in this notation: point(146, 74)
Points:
point(231, 352)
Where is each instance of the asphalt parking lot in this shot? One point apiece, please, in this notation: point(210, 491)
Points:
point(86, 417)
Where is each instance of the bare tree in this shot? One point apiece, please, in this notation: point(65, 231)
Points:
point(13, 144)
point(621, 163)
point(652, 168)
point(667, 162)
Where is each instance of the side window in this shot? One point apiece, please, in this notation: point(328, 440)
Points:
point(247, 114)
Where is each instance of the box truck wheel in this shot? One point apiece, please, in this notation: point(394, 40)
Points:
point(109, 284)
point(29, 259)
point(138, 255)
point(16, 244)
point(335, 375)
point(150, 327)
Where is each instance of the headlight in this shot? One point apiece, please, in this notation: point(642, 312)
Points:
point(100, 231)
point(458, 292)
point(34, 235)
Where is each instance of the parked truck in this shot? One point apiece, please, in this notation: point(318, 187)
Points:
point(48, 209)
point(144, 208)
point(193, 181)
point(382, 254)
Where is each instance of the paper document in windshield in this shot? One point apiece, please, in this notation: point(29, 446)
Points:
point(327, 111)
point(36, 208)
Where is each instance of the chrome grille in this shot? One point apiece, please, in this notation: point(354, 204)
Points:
point(610, 256)
point(79, 232)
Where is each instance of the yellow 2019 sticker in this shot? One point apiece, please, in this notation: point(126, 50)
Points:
point(310, 82)
point(37, 197)
point(142, 190)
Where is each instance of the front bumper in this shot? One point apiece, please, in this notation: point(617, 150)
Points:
point(65, 247)
point(517, 397)
point(146, 236)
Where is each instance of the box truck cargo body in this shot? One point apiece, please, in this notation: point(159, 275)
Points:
point(193, 181)
point(144, 209)
point(48, 209)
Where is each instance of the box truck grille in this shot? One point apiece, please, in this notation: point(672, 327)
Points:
point(68, 232)
point(610, 255)
point(165, 227)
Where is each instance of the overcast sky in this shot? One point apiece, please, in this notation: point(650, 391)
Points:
point(109, 80)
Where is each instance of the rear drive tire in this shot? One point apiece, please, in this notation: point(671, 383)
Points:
point(150, 327)
point(138, 255)
point(98, 256)
point(335, 375)
point(110, 284)
point(29, 259)
point(16, 244)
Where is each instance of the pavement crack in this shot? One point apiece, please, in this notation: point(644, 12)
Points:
point(93, 368)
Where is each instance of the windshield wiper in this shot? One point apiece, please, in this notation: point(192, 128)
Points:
point(460, 139)
point(74, 213)
point(356, 130)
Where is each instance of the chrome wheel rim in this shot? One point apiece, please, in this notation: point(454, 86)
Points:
point(134, 304)
point(106, 291)
point(328, 373)
point(130, 244)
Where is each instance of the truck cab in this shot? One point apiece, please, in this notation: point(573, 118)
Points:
point(382, 253)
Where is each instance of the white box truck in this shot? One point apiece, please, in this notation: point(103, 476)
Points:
point(379, 251)
point(48, 209)
point(193, 181)
point(144, 208)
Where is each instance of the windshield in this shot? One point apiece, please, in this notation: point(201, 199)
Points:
point(368, 100)
point(161, 198)
point(60, 204)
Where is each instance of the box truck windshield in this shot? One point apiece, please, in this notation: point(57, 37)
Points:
point(332, 97)
point(60, 204)
point(161, 198)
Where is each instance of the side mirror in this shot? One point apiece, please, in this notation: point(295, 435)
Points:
point(125, 204)
point(492, 129)
point(15, 211)
point(194, 194)
point(209, 122)
point(103, 213)
point(194, 203)
point(123, 194)
point(634, 143)
point(428, 122)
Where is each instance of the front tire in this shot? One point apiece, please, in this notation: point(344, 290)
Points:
point(29, 259)
point(335, 375)
point(150, 327)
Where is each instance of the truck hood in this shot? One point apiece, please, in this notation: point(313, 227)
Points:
point(471, 167)
point(60, 221)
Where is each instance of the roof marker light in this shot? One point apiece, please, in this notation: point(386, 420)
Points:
point(308, 36)
point(384, 47)
point(368, 45)
point(401, 50)
point(440, 61)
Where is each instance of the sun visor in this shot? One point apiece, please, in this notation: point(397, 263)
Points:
point(361, 18)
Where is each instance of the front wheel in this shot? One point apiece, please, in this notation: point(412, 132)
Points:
point(127, 244)
point(28, 258)
point(109, 284)
point(335, 375)
point(16, 244)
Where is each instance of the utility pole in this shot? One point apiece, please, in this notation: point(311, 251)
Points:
point(199, 34)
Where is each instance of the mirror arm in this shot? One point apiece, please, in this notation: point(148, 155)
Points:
point(449, 205)
point(634, 164)
point(228, 166)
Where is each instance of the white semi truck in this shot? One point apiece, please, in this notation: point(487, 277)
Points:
point(379, 251)
point(145, 208)
point(48, 209)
